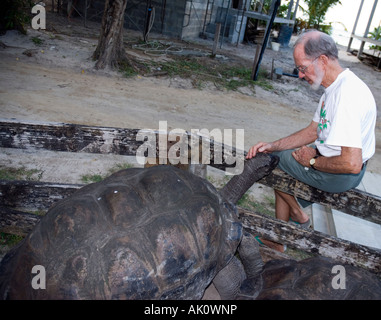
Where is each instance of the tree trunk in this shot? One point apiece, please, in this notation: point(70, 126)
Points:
point(110, 50)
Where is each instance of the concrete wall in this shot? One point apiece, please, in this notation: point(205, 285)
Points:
point(167, 21)
point(182, 19)
point(199, 19)
point(205, 25)
point(194, 17)
point(230, 20)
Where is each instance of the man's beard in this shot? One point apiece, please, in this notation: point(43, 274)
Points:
point(319, 78)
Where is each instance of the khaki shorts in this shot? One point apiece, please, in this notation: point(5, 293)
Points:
point(328, 182)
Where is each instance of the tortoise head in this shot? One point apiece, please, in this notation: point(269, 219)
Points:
point(254, 169)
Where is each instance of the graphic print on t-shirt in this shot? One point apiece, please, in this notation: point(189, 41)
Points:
point(323, 121)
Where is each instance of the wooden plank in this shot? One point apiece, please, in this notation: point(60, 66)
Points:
point(17, 222)
point(22, 223)
point(264, 17)
point(216, 39)
point(311, 241)
point(32, 195)
point(28, 196)
point(365, 39)
point(105, 140)
point(355, 202)
point(68, 137)
point(91, 139)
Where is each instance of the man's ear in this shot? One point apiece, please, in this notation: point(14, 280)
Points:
point(324, 59)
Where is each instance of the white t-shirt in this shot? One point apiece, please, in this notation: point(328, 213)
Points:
point(346, 117)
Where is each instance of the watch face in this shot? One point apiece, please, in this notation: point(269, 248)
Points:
point(312, 161)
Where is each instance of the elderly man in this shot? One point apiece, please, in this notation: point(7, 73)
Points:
point(342, 129)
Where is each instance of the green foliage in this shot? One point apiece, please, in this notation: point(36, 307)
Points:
point(267, 207)
point(15, 14)
point(202, 70)
point(91, 178)
point(9, 239)
point(127, 70)
point(316, 11)
point(376, 35)
point(185, 67)
point(327, 28)
point(37, 41)
point(281, 13)
point(282, 10)
point(8, 173)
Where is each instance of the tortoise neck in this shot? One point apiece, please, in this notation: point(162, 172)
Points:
point(254, 170)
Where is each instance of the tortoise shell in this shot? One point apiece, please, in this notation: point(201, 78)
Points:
point(311, 279)
point(156, 233)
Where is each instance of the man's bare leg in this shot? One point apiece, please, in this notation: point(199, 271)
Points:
point(282, 208)
point(286, 206)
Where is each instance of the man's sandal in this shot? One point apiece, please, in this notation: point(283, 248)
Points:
point(262, 244)
point(304, 225)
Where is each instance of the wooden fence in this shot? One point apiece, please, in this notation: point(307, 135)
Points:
point(19, 197)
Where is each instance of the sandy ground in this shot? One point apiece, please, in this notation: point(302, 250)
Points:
point(58, 83)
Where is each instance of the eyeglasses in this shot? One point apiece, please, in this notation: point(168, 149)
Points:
point(303, 69)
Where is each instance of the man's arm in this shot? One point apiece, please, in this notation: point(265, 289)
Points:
point(295, 140)
point(349, 162)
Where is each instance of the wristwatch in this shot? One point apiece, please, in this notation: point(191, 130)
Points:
point(312, 162)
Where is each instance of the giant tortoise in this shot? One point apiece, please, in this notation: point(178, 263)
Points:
point(155, 233)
